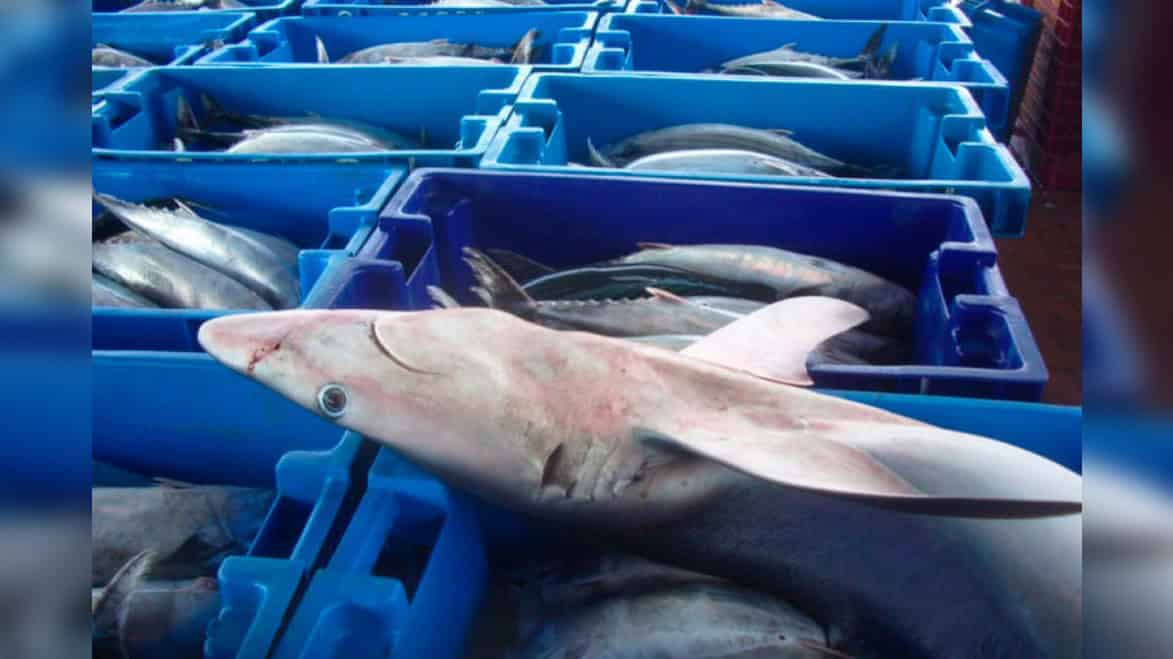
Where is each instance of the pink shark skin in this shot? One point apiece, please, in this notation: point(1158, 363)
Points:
point(568, 426)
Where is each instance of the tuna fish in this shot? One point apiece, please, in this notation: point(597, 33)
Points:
point(690, 137)
point(190, 530)
point(103, 55)
point(723, 161)
point(255, 263)
point(868, 61)
point(109, 293)
point(898, 536)
point(170, 279)
point(767, 8)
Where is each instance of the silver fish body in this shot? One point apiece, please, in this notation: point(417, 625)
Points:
point(240, 256)
point(766, 8)
point(895, 535)
point(168, 618)
point(171, 279)
point(154, 6)
point(673, 342)
point(487, 3)
point(108, 293)
point(892, 307)
point(789, 53)
point(190, 529)
point(302, 140)
point(723, 161)
point(714, 620)
point(399, 52)
point(107, 56)
point(776, 143)
point(783, 69)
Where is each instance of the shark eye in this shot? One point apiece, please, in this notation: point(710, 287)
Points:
point(332, 400)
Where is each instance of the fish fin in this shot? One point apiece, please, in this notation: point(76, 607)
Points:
point(185, 119)
point(323, 57)
point(643, 245)
point(520, 267)
point(524, 49)
point(796, 326)
point(441, 298)
point(674, 8)
point(821, 456)
point(501, 291)
point(597, 158)
point(177, 145)
point(172, 484)
point(822, 648)
point(666, 296)
point(872, 48)
point(213, 110)
point(694, 6)
point(106, 610)
point(182, 207)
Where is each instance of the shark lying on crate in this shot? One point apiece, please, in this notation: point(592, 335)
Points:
point(898, 536)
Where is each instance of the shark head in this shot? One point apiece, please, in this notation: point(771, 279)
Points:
point(407, 380)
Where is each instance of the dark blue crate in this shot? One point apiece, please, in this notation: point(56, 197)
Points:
point(362, 555)
point(262, 8)
point(338, 511)
point(104, 78)
point(157, 429)
point(972, 338)
point(563, 41)
point(935, 132)
point(414, 7)
point(936, 11)
point(692, 44)
point(1007, 34)
point(458, 109)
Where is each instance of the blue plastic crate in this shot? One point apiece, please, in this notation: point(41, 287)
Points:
point(414, 7)
point(362, 555)
point(936, 11)
point(935, 132)
point(692, 44)
point(1007, 34)
point(325, 575)
point(457, 109)
point(563, 41)
point(971, 337)
point(262, 8)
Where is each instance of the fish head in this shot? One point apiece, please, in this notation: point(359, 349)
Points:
point(426, 384)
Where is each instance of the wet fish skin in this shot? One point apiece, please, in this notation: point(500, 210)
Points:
point(892, 307)
point(627, 281)
point(103, 55)
point(168, 618)
point(723, 161)
point(219, 247)
point(109, 293)
point(191, 529)
point(789, 70)
point(625, 317)
point(171, 279)
point(595, 463)
point(714, 620)
point(767, 8)
point(776, 143)
point(341, 133)
point(280, 141)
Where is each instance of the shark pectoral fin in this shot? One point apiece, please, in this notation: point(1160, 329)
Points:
point(441, 299)
point(872, 47)
point(320, 51)
point(812, 461)
point(774, 342)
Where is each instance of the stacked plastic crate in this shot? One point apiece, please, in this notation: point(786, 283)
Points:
point(1049, 134)
point(365, 556)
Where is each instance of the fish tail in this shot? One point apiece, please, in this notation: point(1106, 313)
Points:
point(597, 158)
point(441, 299)
point(323, 57)
point(185, 119)
point(872, 48)
point(496, 287)
point(105, 611)
point(675, 8)
point(694, 6)
point(525, 50)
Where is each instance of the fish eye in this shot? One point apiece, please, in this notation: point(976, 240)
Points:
point(332, 400)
